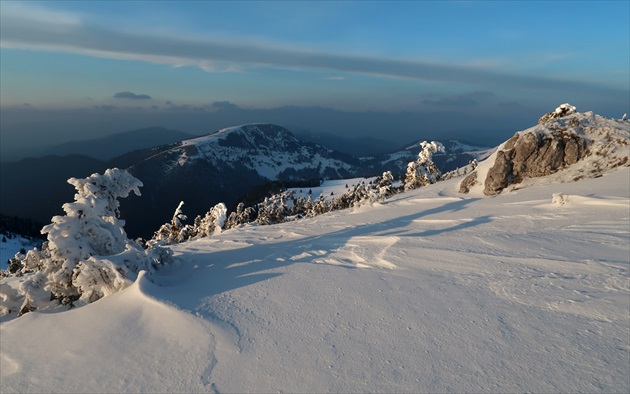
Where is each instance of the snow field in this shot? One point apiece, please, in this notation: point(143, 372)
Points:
point(429, 291)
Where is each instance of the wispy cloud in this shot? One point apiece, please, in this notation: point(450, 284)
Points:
point(37, 14)
point(132, 96)
point(68, 34)
point(223, 105)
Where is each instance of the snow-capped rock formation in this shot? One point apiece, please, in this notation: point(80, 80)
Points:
point(579, 145)
point(563, 110)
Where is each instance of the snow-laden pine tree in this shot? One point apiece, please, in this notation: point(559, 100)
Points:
point(272, 210)
point(301, 206)
point(384, 186)
point(423, 171)
point(265, 212)
point(87, 254)
point(175, 231)
point(212, 223)
point(242, 215)
point(320, 206)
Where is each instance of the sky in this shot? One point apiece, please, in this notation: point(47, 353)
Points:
point(76, 70)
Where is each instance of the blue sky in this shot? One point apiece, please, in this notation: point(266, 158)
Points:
point(466, 56)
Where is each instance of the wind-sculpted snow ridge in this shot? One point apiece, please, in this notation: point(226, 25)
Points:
point(566, 146)
point(131, 343)
point(428, 291)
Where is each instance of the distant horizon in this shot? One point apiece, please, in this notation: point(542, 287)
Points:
point(405, 70)
point(397, 128)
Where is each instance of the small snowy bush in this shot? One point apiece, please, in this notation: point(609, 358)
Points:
point(175, 231)
point(243, 215)
point(87, 254)
point(559, 199)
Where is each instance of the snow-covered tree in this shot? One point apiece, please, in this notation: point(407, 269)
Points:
point(212, 223)
point(319, 207)
point(301, 206)
point(265, 212)
point(460, 171)
point(87, 254)
point(175, 231)
point(242, 215)
point(272, 210)
point(384, 186)
point(423, 171)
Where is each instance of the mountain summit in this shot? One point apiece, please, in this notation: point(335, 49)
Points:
point(272, 151)
point(223, 167)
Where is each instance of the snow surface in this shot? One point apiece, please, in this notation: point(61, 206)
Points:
point(329, 188)
point(429, 291)
point(212, 136)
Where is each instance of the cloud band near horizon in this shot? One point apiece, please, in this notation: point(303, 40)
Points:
point(131, 95)
point(23, 33)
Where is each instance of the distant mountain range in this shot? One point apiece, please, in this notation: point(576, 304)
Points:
point(35, 188)
point(114, 145)
point(230, 165)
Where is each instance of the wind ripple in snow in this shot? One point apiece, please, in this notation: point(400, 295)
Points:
point(575, 291)
point(362, 252)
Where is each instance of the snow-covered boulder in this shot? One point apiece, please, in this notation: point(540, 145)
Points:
point(585, 145)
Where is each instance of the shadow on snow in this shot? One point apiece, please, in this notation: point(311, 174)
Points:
point(209, 273)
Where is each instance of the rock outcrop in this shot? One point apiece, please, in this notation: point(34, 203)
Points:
point(531, 155)
point(559, 141)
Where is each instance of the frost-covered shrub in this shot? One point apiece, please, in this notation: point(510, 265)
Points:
point(87, 254)
point(460, 171)
point(176, 231)
point(242, 215)
point(173, 232)
point(211, 223)
point(319, 207)
point(384, 186)
point(273, 210)
point(423, 171)
point(559, 199)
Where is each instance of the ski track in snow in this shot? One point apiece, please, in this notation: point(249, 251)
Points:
point(425, 292)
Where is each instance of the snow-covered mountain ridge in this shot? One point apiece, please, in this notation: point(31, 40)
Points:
point(226, 165)
point(269, 150)
point(223, 167)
